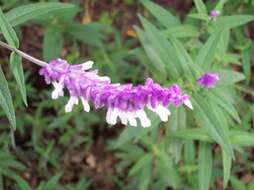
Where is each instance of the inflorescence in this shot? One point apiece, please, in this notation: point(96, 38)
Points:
point(123, 101)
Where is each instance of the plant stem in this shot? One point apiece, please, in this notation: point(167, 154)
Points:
point(24, 55)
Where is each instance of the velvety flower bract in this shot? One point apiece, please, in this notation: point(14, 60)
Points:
point(208, 80)
point(213, 15)
point(123, 101)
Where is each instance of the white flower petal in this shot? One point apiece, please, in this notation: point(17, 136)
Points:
point(123, 117)
point(104, 78)
point(58, 91)
point(188, 104)
point(145, 121)
point(87, 65)
point(162, 112)
point(131, 119)
point(73, 100)
point(85, 104)
point(111, 116)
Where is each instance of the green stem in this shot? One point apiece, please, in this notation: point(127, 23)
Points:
point(24, 55)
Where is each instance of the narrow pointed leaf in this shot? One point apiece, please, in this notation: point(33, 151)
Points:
point(246, 65)
point(22, 184)
point(182, 31)
point(150, 51)
point(205, 114)
point(207, 52)
point(228, 22)
point(8, 31)
point(230, 77)
point(227, 160)
point(205, 165)
point(220, 4)
point(163, 48)
point(162, 15)
point(241, 138)
point(192, 134)
point(237, 184)
point(17, 70)
point(222, 101)
point(24, 13)
point(140, 164)
point(6, 100)
point(200, 5)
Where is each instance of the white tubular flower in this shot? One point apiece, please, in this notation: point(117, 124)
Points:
point(87, 65)
point(111, 116)
point(122, 116)
point(144, 120)
point(58, 91)
point(161, 111)
point(86, 106)
point(72, 101)
point(188, 104)
point(131, 118)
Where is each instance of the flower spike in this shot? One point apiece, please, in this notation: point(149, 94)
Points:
point(126, 102)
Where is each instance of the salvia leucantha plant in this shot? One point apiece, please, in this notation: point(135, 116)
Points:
point(190, 77)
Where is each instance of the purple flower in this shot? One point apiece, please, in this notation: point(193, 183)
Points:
point(213, 15)
point(126, 102)
point(208, 80)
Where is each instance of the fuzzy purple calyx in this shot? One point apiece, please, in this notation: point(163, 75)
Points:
point(208, 80)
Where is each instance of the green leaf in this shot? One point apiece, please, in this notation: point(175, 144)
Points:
point(52, 43)
point(205, 161)
point(53, 182)
point(227, 58)
point(189, 152)
point(6, 100)
point(192, 134)
point(200, 6)
point(199, 16)
point(8, 31)
point(163, 48)
point(246, 64)
point(230, 77)
point(224, 42)
point(176, 122)
point(241, 138)
point(145, 175)
point(87, 33)
point(206, 54)
point(219, 5)
point(185, 60)
point(237, 184)
point(151, 52)
point(227, 160)
point(228, 22)
point(182, 31)
point(130, 133)
point(162, 15)
point(24, 13)
point(225, 103)
point(144, 160)
point(17, 69)
point(209, 120)
point(166, 170)
point(22, 184)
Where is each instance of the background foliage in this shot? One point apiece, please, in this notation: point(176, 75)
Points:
point(173, 42)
